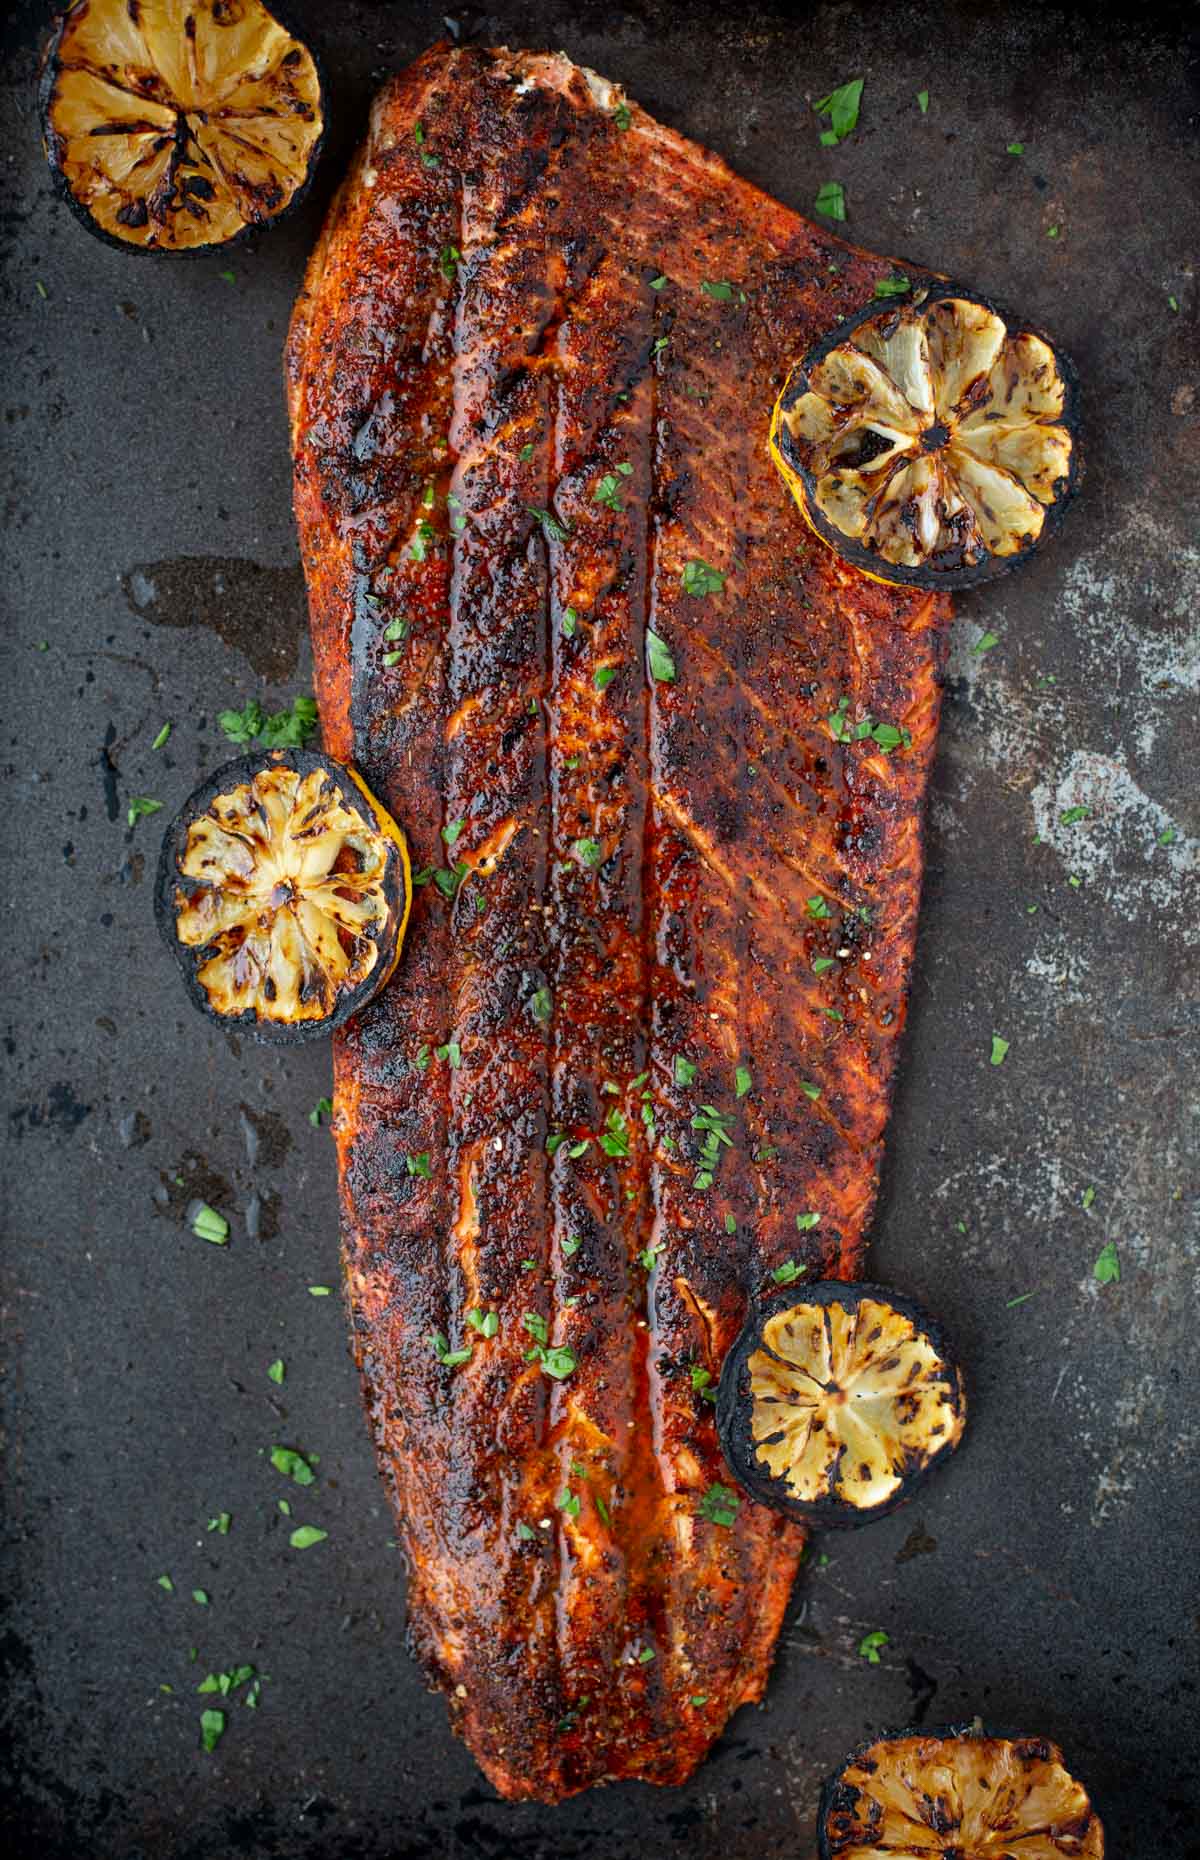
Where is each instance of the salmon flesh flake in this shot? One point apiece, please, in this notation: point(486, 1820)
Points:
point(572, 630)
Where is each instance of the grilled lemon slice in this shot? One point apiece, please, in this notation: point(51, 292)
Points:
point(171, 125)
point(284, 890)
point(960, 1794)
point(931, 442)
point(833, 1406)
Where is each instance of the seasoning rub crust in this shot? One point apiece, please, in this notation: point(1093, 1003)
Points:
point(573, 631)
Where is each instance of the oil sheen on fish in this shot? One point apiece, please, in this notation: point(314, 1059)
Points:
point(639, 1051)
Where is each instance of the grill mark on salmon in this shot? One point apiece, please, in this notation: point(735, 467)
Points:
point(452, 421)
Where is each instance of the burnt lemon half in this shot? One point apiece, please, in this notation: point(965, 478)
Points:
point(284, 891)
point(174, 125)
point(834, 1405)
point(932, 442)
point(957, 1793)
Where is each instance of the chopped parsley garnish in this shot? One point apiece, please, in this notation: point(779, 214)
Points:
point(322, 1108)
point(305, 1536)
point(207, 1224)
point(1087, 1197)
point(645, 1656)
point(870, 1644)
point(662, 665)
point(985, 642)
point(608, 491)
point(895, 286)
point(588, 852)
point(428, 159)
point(320, 1291)
point(162, 736)
point(420, 1165)
point(821, 964)
point(487, 1323)
point(525, 1532)
point(1015, 148)
point(448, 258)
point(200, 1597)
point(614, 1138)
point(1167, 837)
point(649, 1257)
point(719, 289)
point(1107, 1269)
point(220, 1523)
point(659, 283)
point(659, 344)
point(923, 102)
point(164, 1582)
point(817, 907)
point(552, 529)
point(700, 578)
point(451, 1052)
point(277, 1371)
point(541, 1005)
point(571, 1245)
point(810, 1090)
point(212, 1728)
point(225, 1683)
point(293, 1465)
point(719, 1505)
point(1022, 1298)
point(685, 1071)
point(730, 1224)
point(140, 805)
point(448, 1358)
point(831, 200)
point(567, 1501)
point(286, 729)
point(536, 1325)
point(841, 107)
point(788, 1273)
point(702, 1382)
point(621, 116)
point(560, 1361)
point(603, 676)
point(999, 1049)
point(1070, 815)
point(742, 1081)
point(887, 735)
point(1173, 304)
point(806, 1222)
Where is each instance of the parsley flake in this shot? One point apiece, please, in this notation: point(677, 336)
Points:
point(603, 676)
point(700, 578)
point(788, 1273)
point(719, 1505)
point(208, 1225)
point(1107, 1269)
point(841, 107)
point(831, 200)
point(212, 1729)
point(141, 805)
point(923, 102)
point(662, 665)
point(999, 1049)
point(277, 1371)
point(870, 1644)
point(552, 529)
point(305, 1536)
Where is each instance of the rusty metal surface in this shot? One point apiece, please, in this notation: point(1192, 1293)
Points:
point(1048, 1582)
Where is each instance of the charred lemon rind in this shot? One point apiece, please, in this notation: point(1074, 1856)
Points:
point(901, 439)
point(846, 1445)
point(851, 1817)
point(70, 185)
point(224, 925)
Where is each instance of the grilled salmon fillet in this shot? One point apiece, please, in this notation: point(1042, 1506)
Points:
point(573, 631)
